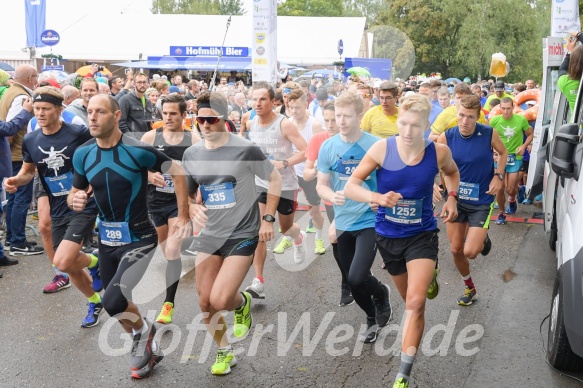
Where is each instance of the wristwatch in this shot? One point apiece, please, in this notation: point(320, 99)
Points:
point(269, 218)
point(285, 163)
point(453, 194)
point(500, 175)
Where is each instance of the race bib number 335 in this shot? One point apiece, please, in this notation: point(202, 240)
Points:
point(219, 196)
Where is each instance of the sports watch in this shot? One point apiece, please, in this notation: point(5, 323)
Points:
point(453, 194)
point(500, 175)
point(269, 218)
point(285, 163)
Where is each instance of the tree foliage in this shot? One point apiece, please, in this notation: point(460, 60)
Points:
point(329, 8)
point(457, 39)
point(199, 7)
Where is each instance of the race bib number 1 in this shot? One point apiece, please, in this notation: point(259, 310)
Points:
point(60, 185)
point(220, 196)
point(407, 211)
point(114, 233)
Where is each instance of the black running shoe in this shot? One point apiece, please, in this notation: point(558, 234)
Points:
point(370, 334)
point(383, 309)
point(26, 249)
point(487, 246)
point(346, 297)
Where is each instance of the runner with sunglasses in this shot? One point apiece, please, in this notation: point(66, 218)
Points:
point(172, 140)
point(223, 167)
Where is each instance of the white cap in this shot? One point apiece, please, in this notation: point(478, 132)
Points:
point(156, 77)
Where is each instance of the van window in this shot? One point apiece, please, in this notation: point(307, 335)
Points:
point(551, 89)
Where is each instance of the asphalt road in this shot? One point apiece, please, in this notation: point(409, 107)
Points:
point(301, 337)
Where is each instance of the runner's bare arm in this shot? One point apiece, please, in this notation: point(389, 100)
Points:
point(77, 199)
point(452, 180)
point(291, 133)
point(325, 191)
point(527, 141)
point(24, 176)
point(499, 147)
point(266, 232)
point(182, 226)
point(310, 170)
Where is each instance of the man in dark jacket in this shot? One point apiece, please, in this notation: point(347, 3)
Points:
point(136, 109)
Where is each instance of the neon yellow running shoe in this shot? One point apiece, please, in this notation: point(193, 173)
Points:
point(433, 289)
point(320, 248)
point(224, 361)
point(401, 383)
point(283, 246)
point(243, 319)
point(166, 313)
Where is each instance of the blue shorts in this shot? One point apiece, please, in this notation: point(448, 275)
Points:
point(513, 168)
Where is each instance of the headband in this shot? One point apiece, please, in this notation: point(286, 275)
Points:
point(207, 104)
point(45, 97)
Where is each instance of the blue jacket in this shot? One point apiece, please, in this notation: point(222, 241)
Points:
point(8, 129)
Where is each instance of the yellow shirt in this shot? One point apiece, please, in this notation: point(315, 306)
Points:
point(377, 123)
point(448, 119)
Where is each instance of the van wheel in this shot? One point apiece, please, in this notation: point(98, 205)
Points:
point(559, 353)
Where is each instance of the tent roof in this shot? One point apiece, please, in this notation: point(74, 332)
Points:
point(123, 37)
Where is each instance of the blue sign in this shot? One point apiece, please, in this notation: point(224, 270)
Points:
point(35, 20)
point(209, 51)
point(50, 37)
point(54, 67)
point(340, 47)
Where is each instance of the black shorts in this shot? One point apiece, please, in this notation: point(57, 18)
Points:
point(287, 201)
point(310, 192)
point(38, 188)
point(475, 215)
point(524, 166)
point(220, 247)
point(161, 215)
point(74, 227)
point(397, 252)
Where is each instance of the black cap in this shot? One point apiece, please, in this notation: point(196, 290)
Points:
point(499, 86)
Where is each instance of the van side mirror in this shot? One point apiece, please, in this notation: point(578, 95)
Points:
point(564, 147)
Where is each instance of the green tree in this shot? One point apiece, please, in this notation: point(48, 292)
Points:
point(329, 8)
point(231, 7)
point(364, 8)
point(199, 7)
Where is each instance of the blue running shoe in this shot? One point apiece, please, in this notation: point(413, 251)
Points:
point(511, 208)
point(495, 205)
point(539, 197)
point(501, 219)
point(97, 283)
point(527, 202)
point(92, 318)
point(521, 191)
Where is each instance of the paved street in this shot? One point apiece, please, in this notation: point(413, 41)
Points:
point(300, 336)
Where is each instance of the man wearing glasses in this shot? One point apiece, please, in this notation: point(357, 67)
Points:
point(381, 120)
point(136, 109)
point(365, 92)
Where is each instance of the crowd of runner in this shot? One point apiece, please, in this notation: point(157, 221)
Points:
point(207, 173)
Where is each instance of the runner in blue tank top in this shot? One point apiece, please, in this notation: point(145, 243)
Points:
point(406, 166)
point(471, 147)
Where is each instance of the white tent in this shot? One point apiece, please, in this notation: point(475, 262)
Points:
point(101, 35)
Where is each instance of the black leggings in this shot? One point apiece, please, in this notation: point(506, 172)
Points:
point(121, 269)
point(357, 251)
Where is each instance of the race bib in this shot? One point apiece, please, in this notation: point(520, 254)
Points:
point(469, 191)
point(511, 160)
point(345, 168)
point(407, 211)
point(220, 196)
point(168, 184)
point(60, 185)
point(114, 234)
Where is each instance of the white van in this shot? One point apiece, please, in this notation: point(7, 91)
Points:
point(560, 151)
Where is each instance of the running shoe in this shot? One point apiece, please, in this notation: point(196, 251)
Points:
point(401, 382)
point(7, 261)
point(433, 289)
point(59, 283)
point(320, 248)
point(300, 250)
point(166, 313)
point(527, 202)
point(283, 246)
point(95, 276)
point(26, 249)
point(487, 246)
point(501, 219)
point(157, 356)
point(468, 297)
point(496, 205)
point(539, 197)
point(142, 353)
point(346, 297)
point(521, 192)
point(92, 318)
point(224, 361)
point(243, 319)
point(279, 230)
point(256, 289)
point(512, 207)
point(310, 228)
point(383, 309)
point(370, 334)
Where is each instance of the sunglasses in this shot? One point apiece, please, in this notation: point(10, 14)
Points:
point(208, 119)
point(286, 91)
